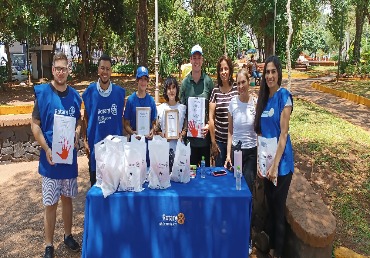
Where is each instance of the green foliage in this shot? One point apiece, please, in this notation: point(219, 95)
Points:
point(212, 70)
point(123, 68)
point(167, 66)
point(77, 69)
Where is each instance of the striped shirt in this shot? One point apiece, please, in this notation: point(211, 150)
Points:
point(222, 101)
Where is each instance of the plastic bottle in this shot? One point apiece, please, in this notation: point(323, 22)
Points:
point(202, 168)
point(238, 178)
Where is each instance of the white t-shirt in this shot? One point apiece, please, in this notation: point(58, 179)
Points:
point(162, 120)
point(243, 122)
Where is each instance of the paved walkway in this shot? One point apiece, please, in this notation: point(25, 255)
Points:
point(354, 113)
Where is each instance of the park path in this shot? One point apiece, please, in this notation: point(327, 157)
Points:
point(354, 113)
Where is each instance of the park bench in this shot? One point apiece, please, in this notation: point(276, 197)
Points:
point(300, 67)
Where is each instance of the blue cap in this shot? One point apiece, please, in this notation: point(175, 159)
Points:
point(195, 49)
point(142, 71)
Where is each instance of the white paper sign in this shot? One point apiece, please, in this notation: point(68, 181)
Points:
point(143, 120)
point(196, 116)
point(63, 139)
point(266, 153)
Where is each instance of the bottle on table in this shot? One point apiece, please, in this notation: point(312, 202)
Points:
point(238, 178)
point(202, 168)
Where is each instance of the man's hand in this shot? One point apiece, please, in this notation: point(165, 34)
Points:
point(49, 157)
point(205, 130)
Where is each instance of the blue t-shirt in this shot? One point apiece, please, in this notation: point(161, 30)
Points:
point(133, 102)
point(104, 115)
point(49, 103)
point(270, 127)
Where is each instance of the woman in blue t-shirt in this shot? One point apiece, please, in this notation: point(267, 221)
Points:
point(274, 106)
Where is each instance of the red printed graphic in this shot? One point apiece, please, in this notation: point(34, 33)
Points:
point(192, 129)
point(65, 149)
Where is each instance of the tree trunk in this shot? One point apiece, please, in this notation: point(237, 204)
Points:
point(289, 62)
point(361, 10)
point(142, 31)
point(84, 30)
point(9, 63)
point(268, 37)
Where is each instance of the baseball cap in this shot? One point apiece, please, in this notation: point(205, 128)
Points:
point(142, 71)
point(195, 49)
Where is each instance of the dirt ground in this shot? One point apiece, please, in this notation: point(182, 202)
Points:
point(21, 212)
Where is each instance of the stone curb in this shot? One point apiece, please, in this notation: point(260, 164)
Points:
point(342, 94)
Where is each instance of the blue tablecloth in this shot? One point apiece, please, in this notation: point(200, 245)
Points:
point(205, 218)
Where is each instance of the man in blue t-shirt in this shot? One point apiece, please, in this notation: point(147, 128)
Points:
point(56, 100)
point(138, 99)
point(104, 103)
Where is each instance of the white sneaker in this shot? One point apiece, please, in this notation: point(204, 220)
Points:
point(250, 248)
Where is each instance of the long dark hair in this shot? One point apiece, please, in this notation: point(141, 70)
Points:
point(169, 81)
point(231, 70)
point(264, 93)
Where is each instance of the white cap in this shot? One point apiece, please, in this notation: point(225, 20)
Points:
point(195, 49)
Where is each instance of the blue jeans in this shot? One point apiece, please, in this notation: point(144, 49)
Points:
point(256, 74)
point(221, 157)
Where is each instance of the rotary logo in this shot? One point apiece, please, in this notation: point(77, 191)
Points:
point(172, 220)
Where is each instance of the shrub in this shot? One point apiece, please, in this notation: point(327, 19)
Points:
point(123, 68)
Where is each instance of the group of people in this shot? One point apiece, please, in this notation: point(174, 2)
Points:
point(234, 119)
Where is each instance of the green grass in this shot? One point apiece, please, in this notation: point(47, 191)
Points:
point(361, 88)
point(340, 151)
point(317, 71)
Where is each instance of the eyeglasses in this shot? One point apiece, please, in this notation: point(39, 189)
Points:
point(242, 82)
point(61, 69)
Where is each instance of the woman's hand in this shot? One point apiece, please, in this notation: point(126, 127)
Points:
point(228, 164)
point(272, 173)
point(215, 150)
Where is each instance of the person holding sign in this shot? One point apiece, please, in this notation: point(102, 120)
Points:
point(104, 104)
point(141, 111)
point(274, 106)
point(197, 87)
point(56, 125)
point(171, 116)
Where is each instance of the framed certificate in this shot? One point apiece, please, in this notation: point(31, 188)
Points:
point(143, 120)
point(172, 124)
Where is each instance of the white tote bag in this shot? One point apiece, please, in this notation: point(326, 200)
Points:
point(181, 165)
point(159, 172)
point(114, 165)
